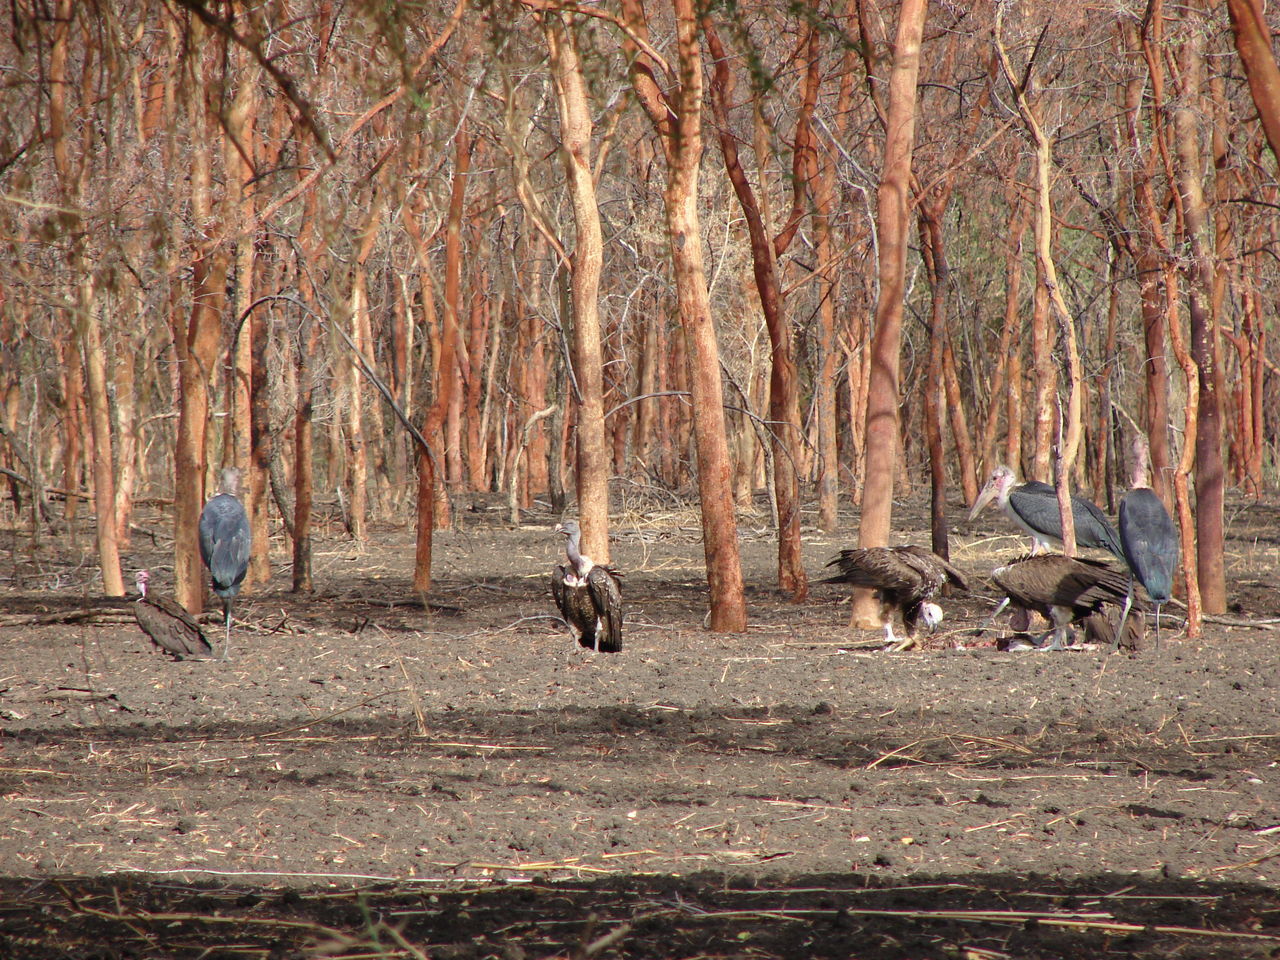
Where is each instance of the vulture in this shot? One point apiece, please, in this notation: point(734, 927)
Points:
point(906, 578)
point(588, 595)
point(1066, 590)
point(1147, 534)
point(1033, 506)
point(168, 624)
point(225, 542)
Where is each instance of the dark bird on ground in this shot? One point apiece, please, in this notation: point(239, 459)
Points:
point(907, 578)
point(1034, 507)
point(1100, 628)
point(225, 543)
point(168, 624)
point(1147, 534)
point(1064, 590)
point(588, 595)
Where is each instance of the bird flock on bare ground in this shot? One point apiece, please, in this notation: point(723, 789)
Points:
point(907, 580)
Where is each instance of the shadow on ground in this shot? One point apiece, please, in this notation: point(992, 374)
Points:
point(702, 915)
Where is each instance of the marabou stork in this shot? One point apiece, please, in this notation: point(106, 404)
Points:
point(588, 595)
point(906, 578)
point(1064, 590)
point(168, 624)
point(1147, 534)
point(225, 542)
point(1034, 507)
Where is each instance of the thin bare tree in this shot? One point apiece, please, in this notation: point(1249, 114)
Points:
point(894, 223)
point(676, 115)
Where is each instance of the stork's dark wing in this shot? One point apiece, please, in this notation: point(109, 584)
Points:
point(1150, 541)
point(225, 542)
point(1037, 504)
point(606, 595)
point(1093, 529)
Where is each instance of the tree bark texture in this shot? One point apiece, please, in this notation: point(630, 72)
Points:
point(894, 234)
point(784, 395)
point(1210, 479)
point(678, 122)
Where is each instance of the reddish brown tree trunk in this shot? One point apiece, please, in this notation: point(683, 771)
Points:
point(784, 402)
point(678, 121)
point(1210, 482)
point(588, 259)
point(895, 226)
point(1252, 36)
point(445, 370)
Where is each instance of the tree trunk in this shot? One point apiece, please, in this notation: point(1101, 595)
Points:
point(930, 227)
point(1210, 481)
point(197, 342)
point(587, 259)
point(428, 482)
point(784, 403)
point(104, 497)
point(1068, 428)
point(1182, 498)
point(894, 229)
point(677, 117)
point(1252, 36)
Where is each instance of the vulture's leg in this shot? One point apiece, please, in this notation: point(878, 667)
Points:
point(1124, 615)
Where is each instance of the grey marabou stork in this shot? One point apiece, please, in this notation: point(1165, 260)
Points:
point(168, 624)
point(1034, 507)
point(225, 542)
point(907, 578)
point(588, 595)
point(1065, 590)
point(1147, 534)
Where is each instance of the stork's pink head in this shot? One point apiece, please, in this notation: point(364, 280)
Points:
point(997, 488)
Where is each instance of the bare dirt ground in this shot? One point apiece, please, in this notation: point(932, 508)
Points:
point(366, 778)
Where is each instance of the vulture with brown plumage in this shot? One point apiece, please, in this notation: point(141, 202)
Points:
point(1067, 590)
point(588, 595)
point(907, 578)
point(168, 624)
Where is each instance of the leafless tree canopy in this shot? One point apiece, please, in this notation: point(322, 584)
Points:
point(202, 202)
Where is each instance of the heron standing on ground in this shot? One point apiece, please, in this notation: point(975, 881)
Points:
point(225, 542)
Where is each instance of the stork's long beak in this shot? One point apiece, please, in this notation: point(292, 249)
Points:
point(986, 496)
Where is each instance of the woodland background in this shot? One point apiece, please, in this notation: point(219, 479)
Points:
point(631, 251)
